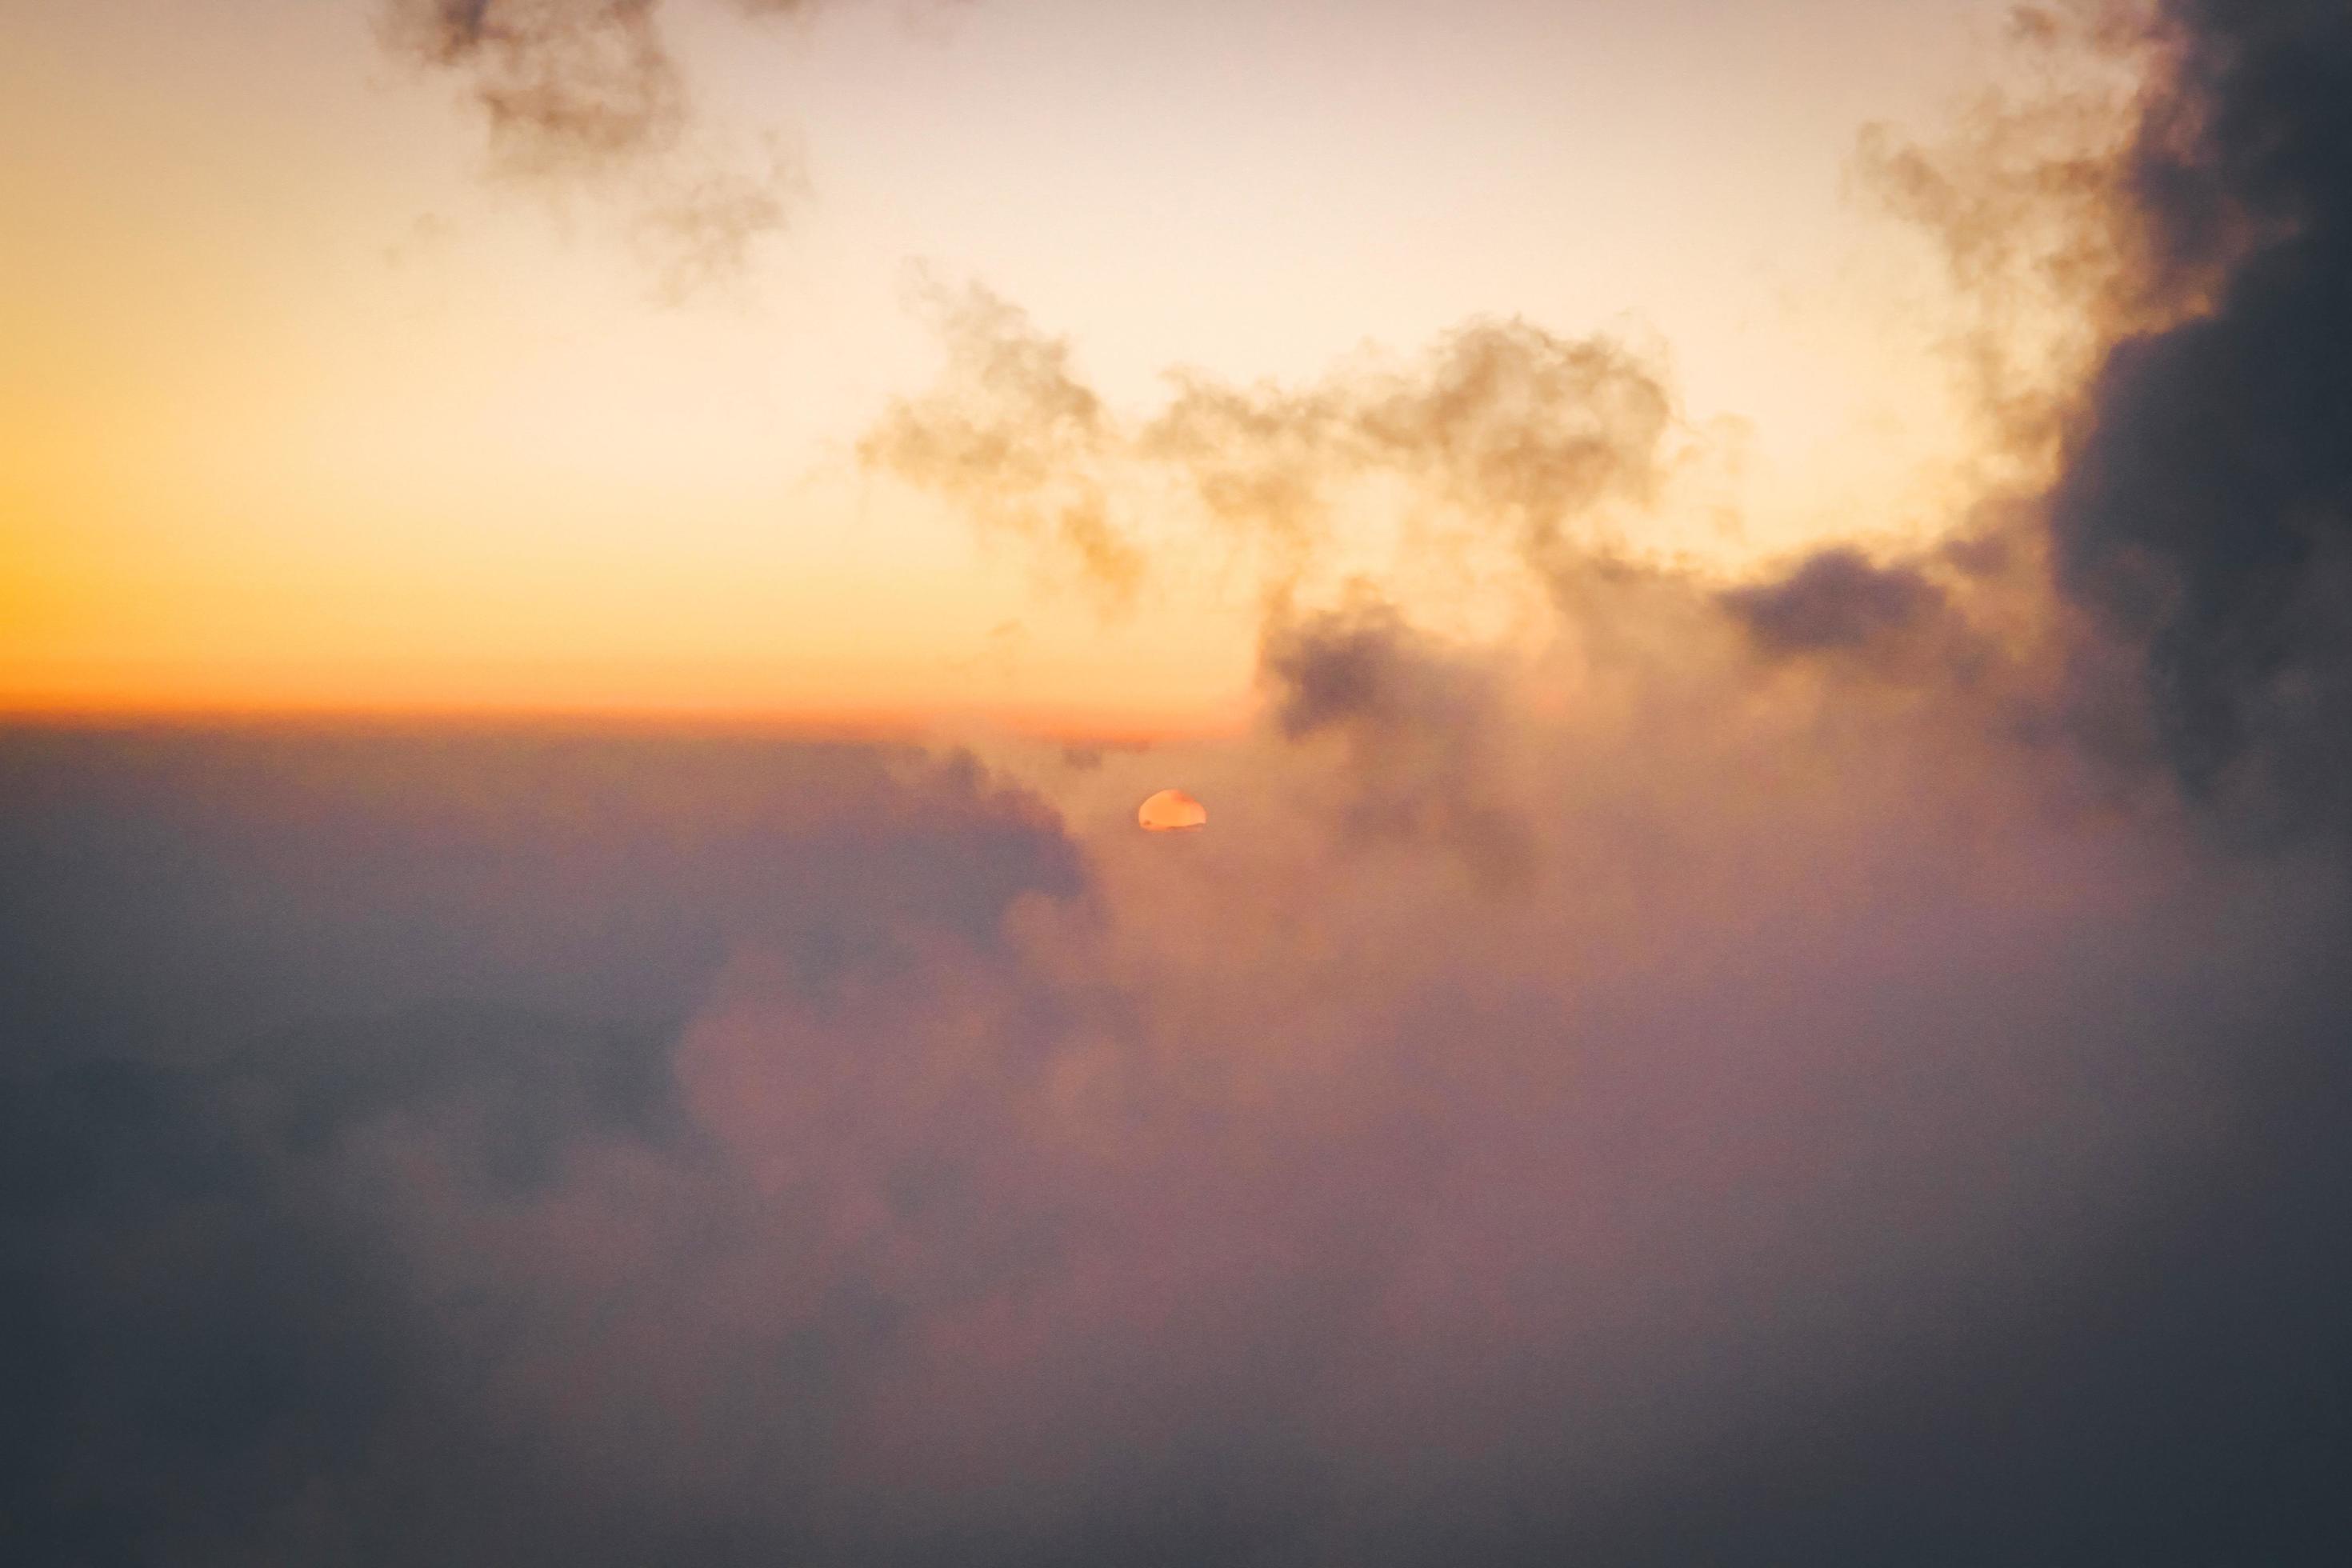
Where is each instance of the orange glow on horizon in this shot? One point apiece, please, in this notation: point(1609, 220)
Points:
point(1070, 724)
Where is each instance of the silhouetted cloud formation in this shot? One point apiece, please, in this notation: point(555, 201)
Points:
point(1837, 598)
point(2207, 507)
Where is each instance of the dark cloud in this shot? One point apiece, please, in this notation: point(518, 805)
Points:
point(193, 887)
point(1835, 600)
point(267, 990)
point(215, 1341)
point(2206, 510)
point(1418, 727)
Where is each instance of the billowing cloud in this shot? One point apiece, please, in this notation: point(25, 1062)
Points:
point(1418, 727)
point(1605, 1099)
point(2175, 228)
point(297, 1020)
point(2206, 510)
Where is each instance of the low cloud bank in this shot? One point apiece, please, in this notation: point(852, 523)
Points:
point(1658, 1097)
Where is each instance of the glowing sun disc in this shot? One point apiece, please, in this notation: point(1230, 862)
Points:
point(1172, 811)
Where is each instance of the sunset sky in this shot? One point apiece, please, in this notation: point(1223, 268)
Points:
point(317, 401)
point(1057, 783)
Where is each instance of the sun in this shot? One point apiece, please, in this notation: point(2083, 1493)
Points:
point(1172, 811)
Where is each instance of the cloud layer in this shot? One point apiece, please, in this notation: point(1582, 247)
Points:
point(1659, 1097)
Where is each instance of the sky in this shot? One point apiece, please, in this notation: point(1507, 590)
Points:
point(1758, 600)
point(334, 396)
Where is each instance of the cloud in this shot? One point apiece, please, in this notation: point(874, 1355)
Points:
point(1514, 435)
point(1014, 436)
point(1844, 834)
point(1598, 1098)
point(1836, 599)
point(2203, 509)
point(208, 889)
point(1522, 429)
point(561, 82)
point(2147, 249)
point(273, 996)
point(1416, 723)
point(587, 95)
